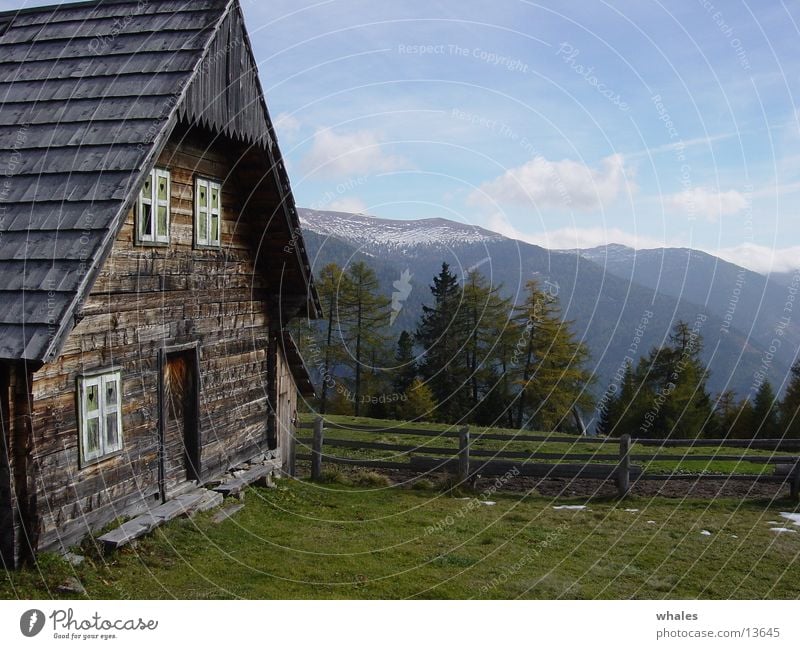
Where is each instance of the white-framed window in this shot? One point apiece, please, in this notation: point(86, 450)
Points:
point(152, 208)
point(207, 211)
point(100, 415)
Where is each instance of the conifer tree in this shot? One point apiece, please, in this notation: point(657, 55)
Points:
point(790, 406)
point(332, 283)
point(485, 315)
point(765, 412)
point(672, 384)
point(442, 336)
point(405, 370)
point(551, 373)
point(419, 404)
point(364, 314)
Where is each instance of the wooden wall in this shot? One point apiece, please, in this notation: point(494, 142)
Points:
point(286, 408)
point(147, 298)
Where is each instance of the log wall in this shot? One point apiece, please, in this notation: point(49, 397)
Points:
point(145, 299)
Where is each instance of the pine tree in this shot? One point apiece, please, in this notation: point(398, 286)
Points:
point(441, 334)
point(364, 314)
point(765, 412)
point(790, 406)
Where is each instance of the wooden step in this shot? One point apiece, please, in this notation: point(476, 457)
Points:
point(237, 485)
point(136, 528)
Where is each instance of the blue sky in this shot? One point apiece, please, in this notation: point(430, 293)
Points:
point(562, 123)
point(567, 124)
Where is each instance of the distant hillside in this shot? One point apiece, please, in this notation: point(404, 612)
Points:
point(607, 292)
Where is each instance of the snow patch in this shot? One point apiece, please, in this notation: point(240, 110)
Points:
point(780, 530)
point(631, 510)
point(373, 235)
point(573, 507)
point(705, 532)
point(488, 502)
point(795, 518)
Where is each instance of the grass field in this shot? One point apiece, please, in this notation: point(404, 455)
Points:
point(681, 464)
point(305, 540)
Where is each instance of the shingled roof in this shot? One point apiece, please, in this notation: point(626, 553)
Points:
point(89, 94)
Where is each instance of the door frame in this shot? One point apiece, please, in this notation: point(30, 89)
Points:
point(163, 413)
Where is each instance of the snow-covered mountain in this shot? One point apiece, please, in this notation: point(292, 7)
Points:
point(373, 236)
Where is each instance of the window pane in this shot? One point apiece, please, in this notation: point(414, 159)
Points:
point(215, 197)
point(147, 188)
point(202, 227)
point(92, 436)
point(112, 433)
point(214, 228)
point(111, 393)
point(146, 221)
point(203, 195)
point(162, 221)
point(92, 398)
point(162, 188)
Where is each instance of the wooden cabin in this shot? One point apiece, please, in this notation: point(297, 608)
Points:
point(150, 260)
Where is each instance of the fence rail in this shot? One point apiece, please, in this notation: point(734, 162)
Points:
point(776, 444)
point(467, 462)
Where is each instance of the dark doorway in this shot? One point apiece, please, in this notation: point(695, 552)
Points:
point(181, 414)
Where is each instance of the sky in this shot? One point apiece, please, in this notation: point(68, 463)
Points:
point(566, 124)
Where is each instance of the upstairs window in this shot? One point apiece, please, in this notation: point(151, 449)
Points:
point(152, 209)
point(207, 210)
point(100, 416)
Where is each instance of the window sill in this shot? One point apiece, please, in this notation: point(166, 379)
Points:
point(100, 460)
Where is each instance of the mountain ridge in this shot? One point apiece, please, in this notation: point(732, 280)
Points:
point(606, 295)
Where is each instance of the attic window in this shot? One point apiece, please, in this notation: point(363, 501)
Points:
point(207, 211)
point(152, 209)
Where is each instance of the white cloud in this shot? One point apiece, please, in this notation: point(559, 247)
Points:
point(360, 152)
point(707, 203)
point(562, 184)
point(348, 204)
point(761, 259)
point(287, 125)
point(574, 237)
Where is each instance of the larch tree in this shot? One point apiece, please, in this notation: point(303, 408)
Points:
point(364, 315)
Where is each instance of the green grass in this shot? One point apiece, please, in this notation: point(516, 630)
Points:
point(330, 540)
point(682, 462)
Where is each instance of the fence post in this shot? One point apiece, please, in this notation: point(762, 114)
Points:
point(463, 454)
point(624, 468)
point(794, 494)
point(316, 449)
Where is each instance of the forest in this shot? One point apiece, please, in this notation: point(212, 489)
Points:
point(475, 357)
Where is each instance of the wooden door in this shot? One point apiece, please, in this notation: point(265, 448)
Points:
point(181, 435)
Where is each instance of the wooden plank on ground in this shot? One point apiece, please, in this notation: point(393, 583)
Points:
point(237, 485)
point(147, 522)
point(225, 513)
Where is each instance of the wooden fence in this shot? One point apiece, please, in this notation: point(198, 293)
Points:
point(467, 462)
